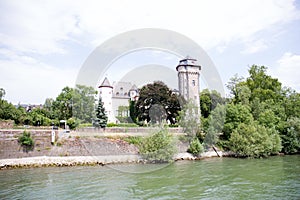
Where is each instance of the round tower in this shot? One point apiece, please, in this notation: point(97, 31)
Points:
point(188, 79)
point(105, 92)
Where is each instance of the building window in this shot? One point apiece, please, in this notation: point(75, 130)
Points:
point(117, 93)
point(193, 82)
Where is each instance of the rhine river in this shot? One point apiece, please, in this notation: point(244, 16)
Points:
point(217, 178)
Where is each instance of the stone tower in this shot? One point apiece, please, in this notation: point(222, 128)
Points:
point(188, 79)
point(105, 92)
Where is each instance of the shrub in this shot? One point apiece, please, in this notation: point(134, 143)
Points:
point(135, 140)
point(195, 147)
point(26, 141)
point(158, 147)
point(253, 140)
point(73, 123)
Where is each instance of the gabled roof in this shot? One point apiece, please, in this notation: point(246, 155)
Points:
point(105, 83)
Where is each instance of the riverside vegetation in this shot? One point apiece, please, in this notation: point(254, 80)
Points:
point(261, 117)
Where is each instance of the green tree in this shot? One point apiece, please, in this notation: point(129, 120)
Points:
point(291, 136)
point(215, 125)
point(83, 103)
point(253, 140)
point(2, 93)
point(133, 111)
point(209, 101)
point(101, 118)
point(235, 115)
point(62, 106)
point(160, 100)
point(9, 111)
point(263, 86)
point(190, 120)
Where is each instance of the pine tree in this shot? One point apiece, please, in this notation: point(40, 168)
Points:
point(101, 118)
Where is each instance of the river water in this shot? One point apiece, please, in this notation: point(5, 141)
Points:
point(217, 178)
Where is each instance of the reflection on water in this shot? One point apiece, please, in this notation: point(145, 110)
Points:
point(218, 178)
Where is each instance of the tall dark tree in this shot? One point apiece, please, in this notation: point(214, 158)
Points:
point(157, 103)
point(101, 118)
point(132, 111)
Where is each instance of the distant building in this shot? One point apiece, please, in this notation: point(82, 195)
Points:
point(116, 97)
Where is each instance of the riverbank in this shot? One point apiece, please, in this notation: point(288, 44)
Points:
point(68, 161)
point(72, 149)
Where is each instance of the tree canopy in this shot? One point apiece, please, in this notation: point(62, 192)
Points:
point(157, 103)
point(259, 119)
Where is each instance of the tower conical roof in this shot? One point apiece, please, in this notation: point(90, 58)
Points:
point(105, 83)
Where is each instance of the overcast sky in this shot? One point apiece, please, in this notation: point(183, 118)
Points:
point(43, 44)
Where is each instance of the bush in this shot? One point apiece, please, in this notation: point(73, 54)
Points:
point(158, 147)
point(252, 140)
point(195, 147)
point(73, 123)
point(135, 140)
point(26, 141)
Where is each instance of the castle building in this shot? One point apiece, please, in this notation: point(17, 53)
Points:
point(116, 97)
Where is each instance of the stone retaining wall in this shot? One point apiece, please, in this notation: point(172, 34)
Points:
point(6, 124)
point(178, 130)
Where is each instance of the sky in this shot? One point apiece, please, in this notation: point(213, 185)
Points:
point(44, 44)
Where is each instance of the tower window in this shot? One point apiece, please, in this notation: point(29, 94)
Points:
point(193, 82)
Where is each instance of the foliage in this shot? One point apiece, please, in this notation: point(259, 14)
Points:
point(159, 147)
point(261, 85)
point(215, 125)
point(26, 140)
point(209, 101)
point(133, 111)
point(157, 103)
point(83, 103)
point(195, 147)
point(291, 136)
point(2, 93)
point(101, 118)
point(190, 119)
point(62, 106)
point(253, 140)
point(135, 140)
point(73, 123)
point(235, 115)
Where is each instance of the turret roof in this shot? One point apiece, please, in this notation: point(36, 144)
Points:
point(105, 83)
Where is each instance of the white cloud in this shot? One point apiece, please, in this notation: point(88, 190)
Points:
point(30, 81)
point(255, 46)
point(33, 29)
point(43, 27)
point(288, 70)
